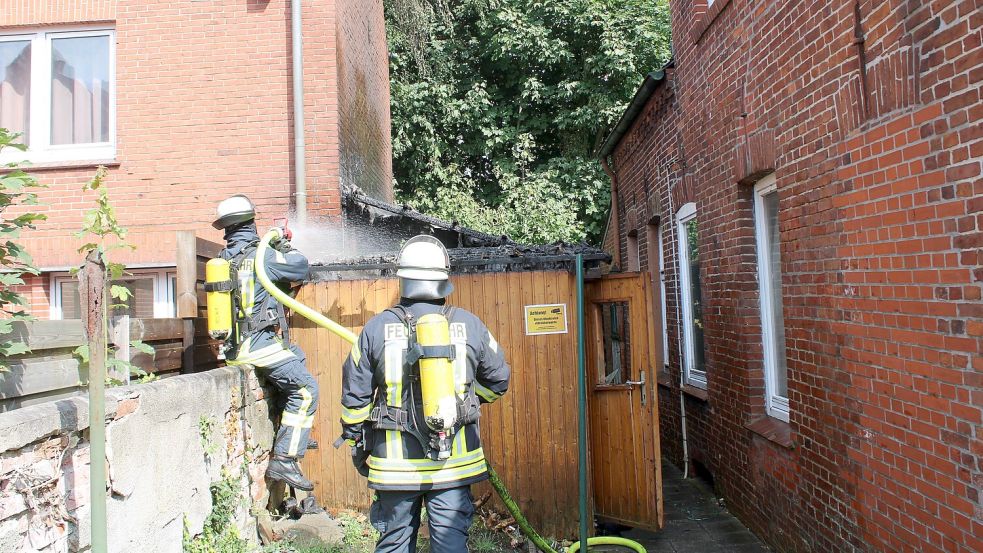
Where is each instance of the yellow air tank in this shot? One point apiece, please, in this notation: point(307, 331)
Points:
point(437, 379)
point(218, 286)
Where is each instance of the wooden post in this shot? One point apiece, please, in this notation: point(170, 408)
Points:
point(187, 294)
point(92, 289)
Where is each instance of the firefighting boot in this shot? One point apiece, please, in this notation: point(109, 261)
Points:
point(286, 469)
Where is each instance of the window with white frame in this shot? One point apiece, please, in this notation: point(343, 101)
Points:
point(770, 291)
point(653, 238)
point(694, 362)
point(151, 295)
point(57, 88)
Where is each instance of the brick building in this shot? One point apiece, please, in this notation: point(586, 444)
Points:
point(819, 164)
point(186, 102)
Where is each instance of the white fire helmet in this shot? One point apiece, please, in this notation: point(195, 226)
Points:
point(234, 209)
point(422, 267)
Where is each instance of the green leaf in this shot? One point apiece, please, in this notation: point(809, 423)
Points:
point(142, 347)
point(11, 279)
point(121, 293)
point(11, 348)
point(82, 354)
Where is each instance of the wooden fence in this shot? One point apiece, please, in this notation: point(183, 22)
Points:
point(51, 371)
point(530, 435)
point(180, 344)
point(192, 255)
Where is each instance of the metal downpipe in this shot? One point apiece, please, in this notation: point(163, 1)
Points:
point(581, 403)
point(297, 58)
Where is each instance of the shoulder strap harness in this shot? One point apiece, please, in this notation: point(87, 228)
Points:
point(387, 417)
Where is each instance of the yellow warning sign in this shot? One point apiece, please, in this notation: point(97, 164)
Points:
point(546, 319)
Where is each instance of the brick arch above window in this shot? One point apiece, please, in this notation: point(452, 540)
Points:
point(685, 191)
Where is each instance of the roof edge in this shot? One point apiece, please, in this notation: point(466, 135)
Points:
point(635, 107)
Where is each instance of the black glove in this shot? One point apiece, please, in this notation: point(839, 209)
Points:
point(282, 245)
point(360, 458)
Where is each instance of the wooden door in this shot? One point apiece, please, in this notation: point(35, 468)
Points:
point(623, 404)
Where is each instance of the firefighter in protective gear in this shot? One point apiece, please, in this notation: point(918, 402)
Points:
point(383, 407)
point(261, 335)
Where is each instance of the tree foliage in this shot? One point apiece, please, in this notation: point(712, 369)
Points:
point(17, 188)
point(499, 105)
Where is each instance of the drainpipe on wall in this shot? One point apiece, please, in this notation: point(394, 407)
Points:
point(614, 210)
point(297, 57)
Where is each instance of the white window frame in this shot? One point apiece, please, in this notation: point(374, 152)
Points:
point(775, 405)
point(693, 377)
point(165, 306)
point(40, 149)
point(662, 298)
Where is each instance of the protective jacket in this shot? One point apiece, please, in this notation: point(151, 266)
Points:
point(382, 405)
point(259, 315)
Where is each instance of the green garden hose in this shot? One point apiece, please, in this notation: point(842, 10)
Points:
point(347, 335)
point(533, 535)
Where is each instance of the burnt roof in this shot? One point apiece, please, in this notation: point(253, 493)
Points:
point(470, 251)
point(383, 214)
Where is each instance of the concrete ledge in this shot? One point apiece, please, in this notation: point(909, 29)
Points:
point(29, 424)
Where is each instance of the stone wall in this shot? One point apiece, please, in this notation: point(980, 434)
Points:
point(167, 441)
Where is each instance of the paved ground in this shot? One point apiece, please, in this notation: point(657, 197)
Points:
point(695, 521)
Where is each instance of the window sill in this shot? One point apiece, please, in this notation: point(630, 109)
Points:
point(612, 387)
point(60, 165)
point(664, 380)
point(698, 393)
point(706, 19)
point(773, 430)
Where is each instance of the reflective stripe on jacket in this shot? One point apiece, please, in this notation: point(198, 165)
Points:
point(376, 374)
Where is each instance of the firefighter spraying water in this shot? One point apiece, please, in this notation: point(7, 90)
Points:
point(253, 327)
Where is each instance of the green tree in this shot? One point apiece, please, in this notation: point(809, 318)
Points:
point(16, 189)
point(499, 105)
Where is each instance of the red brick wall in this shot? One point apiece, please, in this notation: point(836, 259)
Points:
point(363, 96)
point(879, 185)
point(204, 111)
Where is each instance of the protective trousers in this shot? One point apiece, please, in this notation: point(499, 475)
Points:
point(396, 515)
point(299, 393)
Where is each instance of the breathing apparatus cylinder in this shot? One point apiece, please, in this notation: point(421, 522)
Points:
point(437, 382)
point(218, 287)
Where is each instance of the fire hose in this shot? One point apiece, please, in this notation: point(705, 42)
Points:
point(349, 336)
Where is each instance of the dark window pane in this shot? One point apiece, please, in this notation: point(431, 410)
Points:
point(775, 273)
point(140, 302)
point(616, 341)
point(695, 294)
point(70, 304)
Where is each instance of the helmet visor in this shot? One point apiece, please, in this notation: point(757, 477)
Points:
point(413, 289)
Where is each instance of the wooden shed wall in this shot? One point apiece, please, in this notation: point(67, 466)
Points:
point(530, 435)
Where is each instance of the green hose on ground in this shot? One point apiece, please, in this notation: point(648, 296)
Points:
point(533, 535)
point(347, 335)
